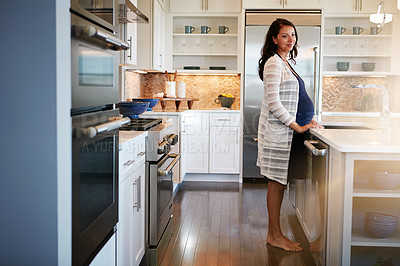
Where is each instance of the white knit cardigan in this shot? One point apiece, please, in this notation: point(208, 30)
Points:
point(278, 111)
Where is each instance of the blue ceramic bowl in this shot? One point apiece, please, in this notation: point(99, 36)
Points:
point(153, 102)
point(132, 109)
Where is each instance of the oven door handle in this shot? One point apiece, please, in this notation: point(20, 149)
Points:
point(91, 132)
point(91, 32)
point(315, 151)
point(170, 166)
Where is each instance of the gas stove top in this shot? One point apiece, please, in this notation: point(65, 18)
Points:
point(140, 124)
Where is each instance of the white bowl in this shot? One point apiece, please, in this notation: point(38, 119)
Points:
point(377, 217)
point(385, 180)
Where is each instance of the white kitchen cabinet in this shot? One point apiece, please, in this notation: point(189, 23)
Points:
point(158, 56)
point(131, 38)
point(131, 225)
point(211, 142)
point(195, 142)
point(281, 4)
point(206, 50)
point(358, 189)
point(106, 256)
point(162, 3)
point(356, 49)
point(224, 150)
point(358, 6)
point(205, 6)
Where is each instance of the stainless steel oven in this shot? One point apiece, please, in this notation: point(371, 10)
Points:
point(101, 12)
point(94, 182)
point(161, 163)
point(160, 201)
point(95, 56)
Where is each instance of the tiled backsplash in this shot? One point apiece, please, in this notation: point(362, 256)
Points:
point(338, 96)
point(206, 88)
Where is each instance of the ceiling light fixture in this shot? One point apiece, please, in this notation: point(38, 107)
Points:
point(381, 18)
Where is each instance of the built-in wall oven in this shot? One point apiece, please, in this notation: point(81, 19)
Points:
point(101, 12)
point(95, 56)
point(94, 182)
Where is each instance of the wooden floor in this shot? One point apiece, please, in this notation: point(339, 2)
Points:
point(226, 224)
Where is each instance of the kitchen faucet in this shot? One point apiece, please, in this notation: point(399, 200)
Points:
point(385, 114)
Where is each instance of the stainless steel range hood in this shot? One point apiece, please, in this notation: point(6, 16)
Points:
point(128, 13)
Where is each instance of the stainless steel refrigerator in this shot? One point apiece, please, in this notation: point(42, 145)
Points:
point(308, 25)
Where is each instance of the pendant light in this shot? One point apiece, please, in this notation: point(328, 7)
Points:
point(381, 18)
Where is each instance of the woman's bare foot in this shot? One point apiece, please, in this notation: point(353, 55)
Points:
point(283, 243)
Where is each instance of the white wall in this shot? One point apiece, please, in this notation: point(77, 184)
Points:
point(35, 132)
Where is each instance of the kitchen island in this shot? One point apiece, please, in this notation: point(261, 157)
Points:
point(356, 155)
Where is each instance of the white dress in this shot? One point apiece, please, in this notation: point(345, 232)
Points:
point(278, 111)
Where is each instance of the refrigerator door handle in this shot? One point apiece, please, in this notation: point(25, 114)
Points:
point(316, 77)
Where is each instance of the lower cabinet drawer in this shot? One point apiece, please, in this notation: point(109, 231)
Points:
point(225, 120)
point(127, 160)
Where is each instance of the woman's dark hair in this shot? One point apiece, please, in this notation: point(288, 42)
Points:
point(269, 48)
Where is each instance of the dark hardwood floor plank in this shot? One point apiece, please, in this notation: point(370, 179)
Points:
point(189, 254)
point(200, 259)
point(227, 224)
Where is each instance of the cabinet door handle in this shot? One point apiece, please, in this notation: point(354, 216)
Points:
point(206, 4)
point(356, 5)
point(130, 48)
point(127, 163)
point(285, 3)
point(141, 153)
point(360, 5)
point(138, 194)
point(280, 3)
point(137, 204)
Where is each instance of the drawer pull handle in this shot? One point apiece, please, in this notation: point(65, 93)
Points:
point(141, 153)
point(127, 163)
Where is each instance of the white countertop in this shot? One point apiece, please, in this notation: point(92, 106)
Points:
point(125, 136)
point(178, 112)
point(378, 140)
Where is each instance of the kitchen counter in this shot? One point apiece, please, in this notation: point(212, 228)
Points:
point(125, 136)
point(378, 139)
point(178, 112)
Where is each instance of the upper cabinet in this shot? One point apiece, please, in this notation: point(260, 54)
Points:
point(205, 6)
point(358, 6)
point(279, 4)
point(158, 54)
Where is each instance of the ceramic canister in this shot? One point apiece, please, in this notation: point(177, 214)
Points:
point(170, 89)
point(181, 89)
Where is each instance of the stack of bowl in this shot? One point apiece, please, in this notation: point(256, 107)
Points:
point(380, 225)
point(385, 180)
